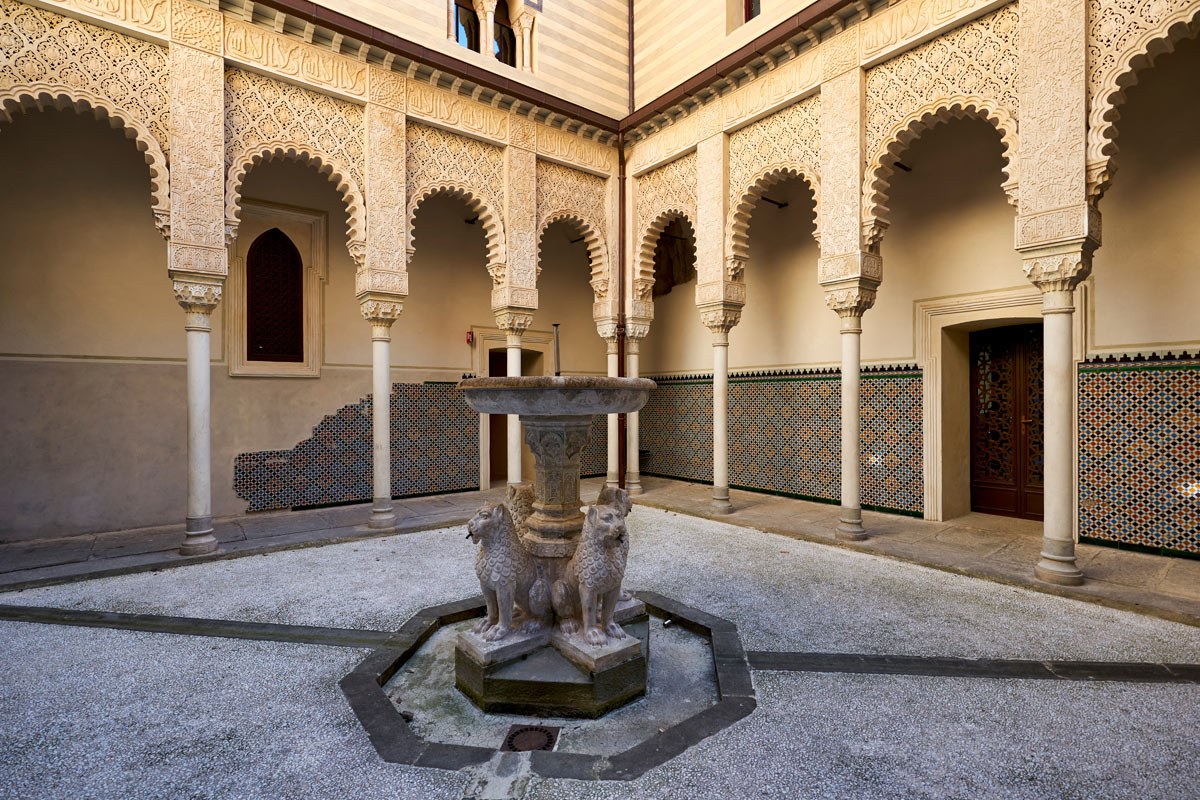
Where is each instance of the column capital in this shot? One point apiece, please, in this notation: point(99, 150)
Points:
point(607, 329)
point(198, 296)
point(514, 320)
point(720, 319)
point(1059, 268)
point(636, 329)
point(381, 311)
point(850, 301)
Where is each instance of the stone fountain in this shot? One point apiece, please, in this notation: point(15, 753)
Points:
point(560, 637)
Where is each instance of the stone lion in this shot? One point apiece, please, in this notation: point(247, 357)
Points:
point(520, 504)
point(590, 586)
point(618, 498)
point(508, 575)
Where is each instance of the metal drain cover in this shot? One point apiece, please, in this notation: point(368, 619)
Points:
point(523, 738)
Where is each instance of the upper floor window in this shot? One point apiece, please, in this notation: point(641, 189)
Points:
point(504, 47)
point(751, 9)
point(466, 24)
point(274, 299)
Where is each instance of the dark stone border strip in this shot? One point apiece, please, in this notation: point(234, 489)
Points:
point(196, 626)
point(396, 742)
point(1137, 672)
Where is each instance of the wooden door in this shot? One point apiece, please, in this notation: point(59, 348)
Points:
point(1007, 454)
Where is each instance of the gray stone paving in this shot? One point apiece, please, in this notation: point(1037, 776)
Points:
point(105, 713)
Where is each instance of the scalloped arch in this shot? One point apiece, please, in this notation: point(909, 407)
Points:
point(597, 252)
point(337, 174)
point(643, 280)
point(1106, 103)
point(881, 165)
point(493, 229)
point(45, 95)
point(737, 230)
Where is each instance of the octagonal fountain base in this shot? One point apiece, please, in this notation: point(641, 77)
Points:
point(549, 674)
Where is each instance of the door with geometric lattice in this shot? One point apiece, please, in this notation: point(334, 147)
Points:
point(1007, 454)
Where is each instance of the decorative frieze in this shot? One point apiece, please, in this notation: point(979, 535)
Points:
point(387, 87)
point(152, 17)
point(779, 87)
point(291, 58)
point(447, 108)
point(562, 146)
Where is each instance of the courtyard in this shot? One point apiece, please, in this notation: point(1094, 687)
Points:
point(101, 712)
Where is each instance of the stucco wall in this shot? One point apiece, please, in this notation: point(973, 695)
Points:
point(1145, 276)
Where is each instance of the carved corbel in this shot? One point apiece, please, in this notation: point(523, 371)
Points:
point(358, 252)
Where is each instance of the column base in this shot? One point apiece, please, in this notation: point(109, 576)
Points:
point(720, 502)
point(383, 518)
point(850, 527)
point(199, 538)
point(1057, 563)
point(633, 484)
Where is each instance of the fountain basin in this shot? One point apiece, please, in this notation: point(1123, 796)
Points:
point(549, 396)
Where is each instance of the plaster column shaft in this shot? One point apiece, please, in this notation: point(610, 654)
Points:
point(514, 421)
point(614, 430)
point(199, 528)
point(527, 48)
point(1057, 562)
point(720, 494)
point(382, 515)
point(633, 475)
point(850, 525)
point(487, 35)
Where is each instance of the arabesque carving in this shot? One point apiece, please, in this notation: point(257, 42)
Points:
point(197, 185)
point(452, 109)
point(266, 119)
point(784, 145)
point(662, 194)
point(558, 144)
point(1124, 38)
point(576, 197)
point(387, 245)
point(63, 57)
point(970, 71)
point(439, 162)
point(196, 26)
point(778, 87)
point(895, 27)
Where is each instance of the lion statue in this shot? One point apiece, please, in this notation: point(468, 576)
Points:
point(520, 504)
point(618, 498)
point(590, 586)
point(508, 575)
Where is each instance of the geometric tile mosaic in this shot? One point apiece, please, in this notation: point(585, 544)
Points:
point(1139, 452)
point(434, 443)
point(785, 434)
point(593, 461)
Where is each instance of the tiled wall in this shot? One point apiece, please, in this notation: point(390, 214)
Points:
point(593, 460)
point(1139, 452)
point(435, 448)
point(785, 434)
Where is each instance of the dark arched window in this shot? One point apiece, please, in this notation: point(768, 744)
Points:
point(466, 25)
point(505, 45)
point(274, 299)
point(674, 257)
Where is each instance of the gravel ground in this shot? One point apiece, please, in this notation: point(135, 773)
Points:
point(861, 736)
point(91, 713)
point(784, 594)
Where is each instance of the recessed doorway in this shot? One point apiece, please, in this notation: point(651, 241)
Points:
point(1006, 414)
point(532, 363)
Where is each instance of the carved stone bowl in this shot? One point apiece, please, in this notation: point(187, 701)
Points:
point(549, 396)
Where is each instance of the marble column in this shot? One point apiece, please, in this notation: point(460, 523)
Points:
point(513, 344)
point(720, 321)
point(614, 429)
point(850, 302)
point(381, 315)
point(527, 48)
point(633, 474)
point(199, 298)
point(1057, 270)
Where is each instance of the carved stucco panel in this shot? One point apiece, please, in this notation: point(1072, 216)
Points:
point(558, 144)
point(1053, 105)
point(449, 108)
point(971, 70)
point(841, 163)
point(790, 137)
point(440, 162)
point(386, 197)
point(899, 25)
point(197, 152)
point(196, 26)
point(150, 16)
point(779, 86)
point(521, 202)
point(1123, 37)
point(41, 48)
point(660, 194)
point(267, 118)
point(578, 197)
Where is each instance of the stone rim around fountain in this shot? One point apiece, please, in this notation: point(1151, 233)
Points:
point(557, 396)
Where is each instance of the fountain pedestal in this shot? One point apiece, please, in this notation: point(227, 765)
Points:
point(561, 657)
